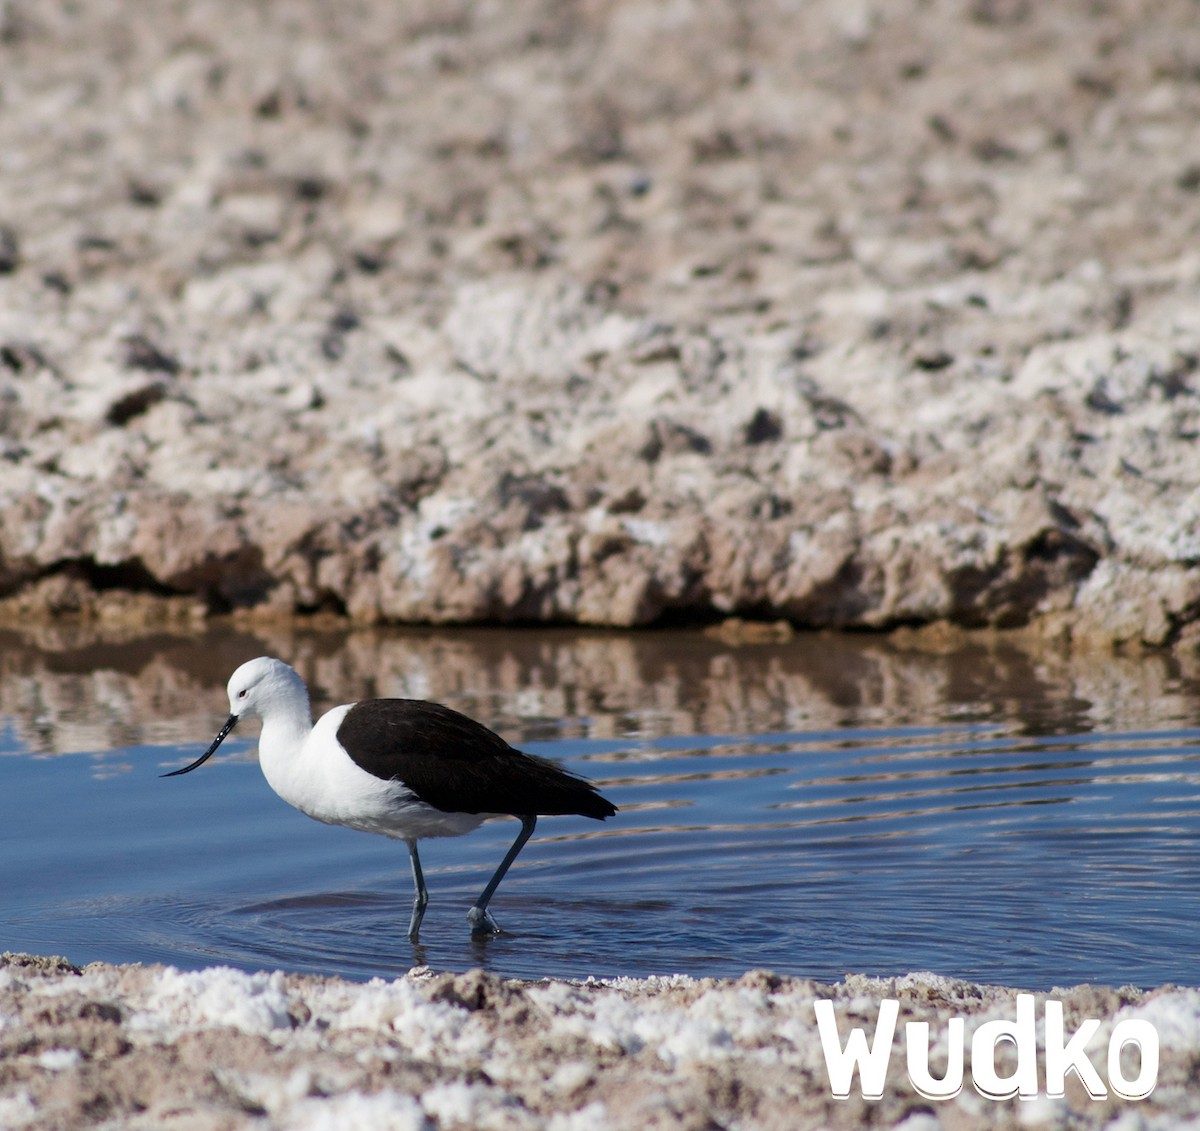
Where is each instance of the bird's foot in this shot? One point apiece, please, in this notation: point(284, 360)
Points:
point(482, 922)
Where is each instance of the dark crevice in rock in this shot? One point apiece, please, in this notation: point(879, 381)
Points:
point(142, 353)
point(1010, 593)
point(327, 603)
point(131, 576)
point(134, 404)
point(238, 580)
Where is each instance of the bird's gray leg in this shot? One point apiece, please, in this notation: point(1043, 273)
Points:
point(421, 898)
point(481, 922)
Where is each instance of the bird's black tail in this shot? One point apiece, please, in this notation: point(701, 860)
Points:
point(559, 792)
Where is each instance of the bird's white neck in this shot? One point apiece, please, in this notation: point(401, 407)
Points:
point(286, 724)
point(283, 735)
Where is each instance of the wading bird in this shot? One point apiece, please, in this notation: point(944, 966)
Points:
point(404, 768)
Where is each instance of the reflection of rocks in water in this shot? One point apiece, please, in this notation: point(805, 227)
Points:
point(67, 690)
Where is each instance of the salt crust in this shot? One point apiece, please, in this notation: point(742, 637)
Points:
point(433, 1050)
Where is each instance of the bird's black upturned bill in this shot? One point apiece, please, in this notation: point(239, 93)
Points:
point(230, 723)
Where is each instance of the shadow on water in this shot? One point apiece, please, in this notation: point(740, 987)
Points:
point(817, 806)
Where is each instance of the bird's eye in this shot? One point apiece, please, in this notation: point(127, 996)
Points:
point(242, 693)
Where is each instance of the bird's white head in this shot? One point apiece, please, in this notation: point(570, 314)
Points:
point(264, 687)
point(261, 686)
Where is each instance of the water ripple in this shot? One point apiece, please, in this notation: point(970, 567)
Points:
point(966, 850)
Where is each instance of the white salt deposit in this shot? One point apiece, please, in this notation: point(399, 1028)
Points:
point(55, 1060)
point(217, 998)
point(473, 1105)
point(426, 1028)
point(17, 1109)
point(383, 1111)
point(1174, 1014)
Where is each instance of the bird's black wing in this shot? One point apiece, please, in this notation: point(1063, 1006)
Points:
point(458, 765)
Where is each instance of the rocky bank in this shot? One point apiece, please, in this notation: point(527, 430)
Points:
point(851, 314)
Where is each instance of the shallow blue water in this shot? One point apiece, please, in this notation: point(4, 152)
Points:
point(976, 850)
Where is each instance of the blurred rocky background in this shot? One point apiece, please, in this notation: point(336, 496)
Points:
point(612, 312)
